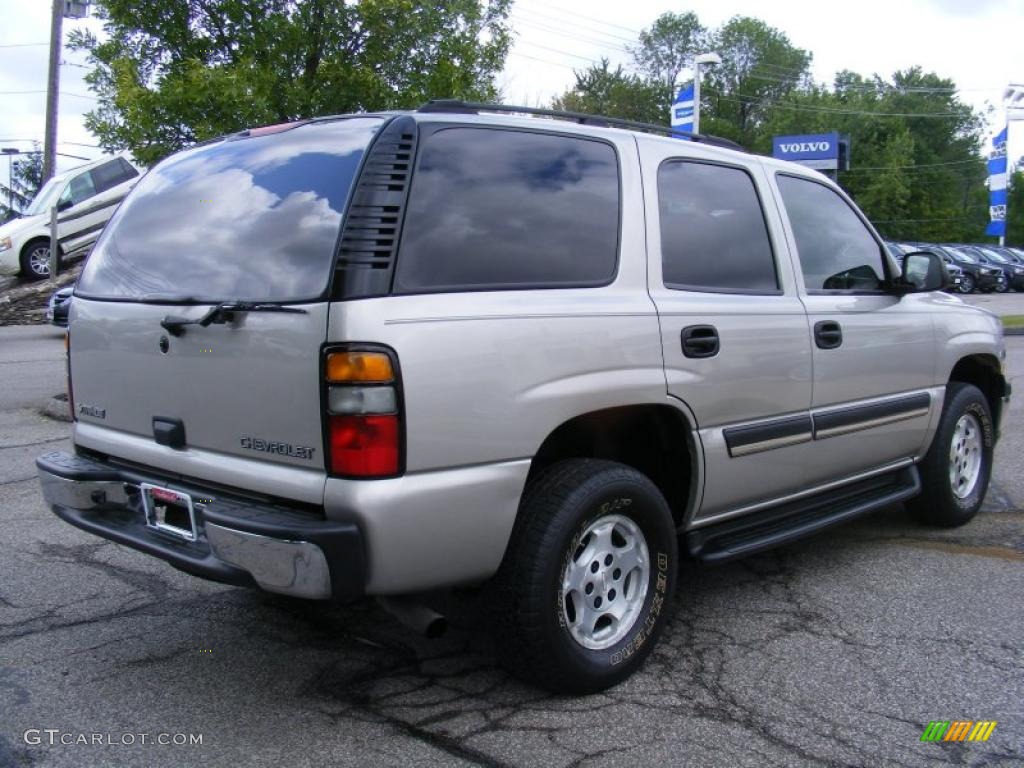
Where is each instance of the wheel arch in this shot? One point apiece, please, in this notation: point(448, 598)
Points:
point(657, 439)
point(984, 371)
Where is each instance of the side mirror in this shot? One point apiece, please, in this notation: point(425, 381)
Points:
point(923, 271)
point(63, 205)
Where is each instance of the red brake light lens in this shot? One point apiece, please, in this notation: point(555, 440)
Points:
point(364, 445)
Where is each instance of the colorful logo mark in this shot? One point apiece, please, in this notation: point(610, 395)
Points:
point(958, 730)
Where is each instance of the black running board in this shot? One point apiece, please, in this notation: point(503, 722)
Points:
point(741, 536)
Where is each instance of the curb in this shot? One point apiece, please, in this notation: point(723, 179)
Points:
point(1013, 331)
point(57, 408)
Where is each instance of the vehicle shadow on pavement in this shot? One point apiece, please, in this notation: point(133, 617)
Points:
point(739, 639)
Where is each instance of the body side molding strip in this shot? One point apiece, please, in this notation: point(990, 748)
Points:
point(765, 436)
point(841, 421)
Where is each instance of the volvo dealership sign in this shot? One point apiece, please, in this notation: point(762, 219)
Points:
point(824, 151)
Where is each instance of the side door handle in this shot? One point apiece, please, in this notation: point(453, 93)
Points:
point(700, 341)
point(828, 334)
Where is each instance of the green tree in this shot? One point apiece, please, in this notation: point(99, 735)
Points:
point(1015, 210)
point(668, 47)
point(759, 67)
point(26, 178)
point(599, 90)
point(915, 167)
point(172, 72)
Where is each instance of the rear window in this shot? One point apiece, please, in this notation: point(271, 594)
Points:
point(249, 219)
point(504, 209)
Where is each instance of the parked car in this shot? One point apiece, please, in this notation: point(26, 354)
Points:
point(956, 274)
point(392, 353)
point(989, 259)
point(1008, 262)
point(86, 198)
point(57, 307)
point(977, 275)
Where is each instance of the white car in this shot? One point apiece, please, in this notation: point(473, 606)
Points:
point(86, 198)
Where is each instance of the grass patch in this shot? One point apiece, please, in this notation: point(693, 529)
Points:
point(1013, 321)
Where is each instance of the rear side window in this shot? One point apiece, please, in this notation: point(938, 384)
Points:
point(112, 173)
point(500, 209)
point(248, 218)
point(713, 232)
point(837, 252)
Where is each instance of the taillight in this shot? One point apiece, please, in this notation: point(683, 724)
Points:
point(67, 369)
point(364, 429)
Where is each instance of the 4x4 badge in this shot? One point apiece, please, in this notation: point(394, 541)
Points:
point(92, 410)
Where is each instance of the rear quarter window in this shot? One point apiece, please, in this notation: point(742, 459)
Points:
point(506, 209)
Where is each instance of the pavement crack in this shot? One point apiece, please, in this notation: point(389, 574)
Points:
point(37, 442)
point(19, 480)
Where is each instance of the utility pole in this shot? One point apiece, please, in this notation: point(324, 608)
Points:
point(73, 9)
point(53, 90)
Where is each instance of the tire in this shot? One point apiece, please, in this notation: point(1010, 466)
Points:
point(966, 284)
point(573, 511)
point(965, 437)
point(31, 266)
point(1002, 287)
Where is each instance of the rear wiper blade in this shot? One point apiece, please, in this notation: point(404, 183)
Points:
point(221, 313)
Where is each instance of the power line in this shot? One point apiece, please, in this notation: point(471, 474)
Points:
point(576, 15)
point(62, 93)
point(914, 221)
point(23, 45)
point(744, 98)
point(976, 161)
point(564, 33)
point(542, 61)
point(573, 25)
point(557, 50)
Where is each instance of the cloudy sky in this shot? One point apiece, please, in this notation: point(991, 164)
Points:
point(971, 41)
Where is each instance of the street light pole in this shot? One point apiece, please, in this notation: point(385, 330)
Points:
point(704, 58)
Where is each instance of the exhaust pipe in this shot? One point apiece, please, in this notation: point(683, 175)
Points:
point(415, 615)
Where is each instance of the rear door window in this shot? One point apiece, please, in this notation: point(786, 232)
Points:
point(713, 232)
point(504, 209)
point(253, 218)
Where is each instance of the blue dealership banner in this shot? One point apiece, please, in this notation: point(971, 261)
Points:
point(815, 150)
point(997, 187)
point(681, 117)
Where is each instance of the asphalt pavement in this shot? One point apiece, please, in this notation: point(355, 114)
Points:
point(836, 651)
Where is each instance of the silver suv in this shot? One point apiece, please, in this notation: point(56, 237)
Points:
point(384, 354)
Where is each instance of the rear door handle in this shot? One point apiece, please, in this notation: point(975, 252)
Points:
point(828, 334)
point(700, 341)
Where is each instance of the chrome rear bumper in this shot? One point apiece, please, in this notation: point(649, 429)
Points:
point(238, 542)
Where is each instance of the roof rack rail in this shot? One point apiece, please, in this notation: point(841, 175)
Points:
point(455, 106)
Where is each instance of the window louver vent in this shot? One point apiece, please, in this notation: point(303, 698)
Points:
point(369, 240)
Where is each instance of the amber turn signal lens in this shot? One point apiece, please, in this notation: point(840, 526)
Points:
point(351, 367)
